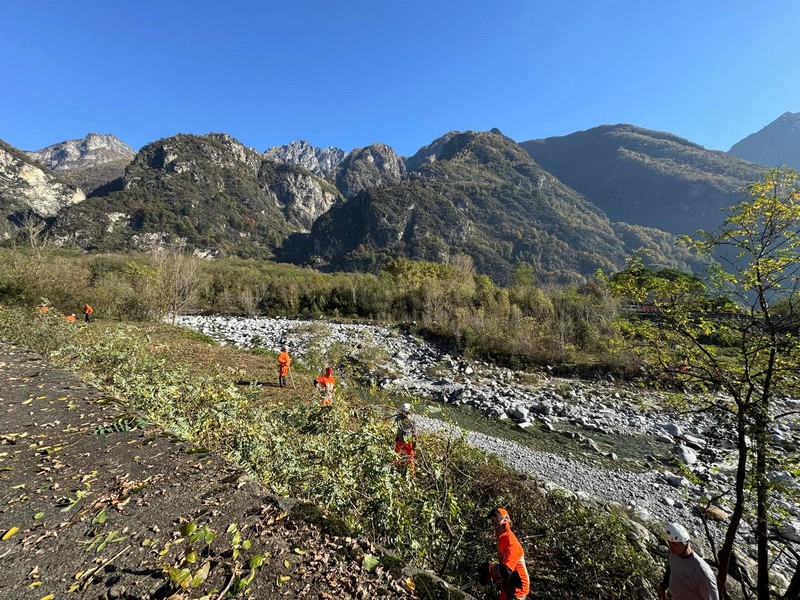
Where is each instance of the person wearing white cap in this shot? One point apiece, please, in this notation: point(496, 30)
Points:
point(405, 439)
point(688, 577)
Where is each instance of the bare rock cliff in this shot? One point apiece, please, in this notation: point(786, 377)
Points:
point(27, 189)
point(369, 167)
point(91, 151)
point(320, 161)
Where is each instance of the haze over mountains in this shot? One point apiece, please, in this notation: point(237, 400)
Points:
point(776, 144)
point(567, 205)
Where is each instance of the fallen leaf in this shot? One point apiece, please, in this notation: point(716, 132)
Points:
point(9, 533)
point(369, 562)
point(100, 518)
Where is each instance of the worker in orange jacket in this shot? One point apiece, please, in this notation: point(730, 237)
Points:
point(405, 439)
point(510, 573)
point(284, 360)
point(88, 311)
point(326, 383)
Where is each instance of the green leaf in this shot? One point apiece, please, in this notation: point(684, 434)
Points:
point(201, 575)
point(180, 577)
point(100, 518)
point(369, 562)
point(188, 529)
point(257, 561)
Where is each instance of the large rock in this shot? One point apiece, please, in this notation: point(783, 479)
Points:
point(713, 513)
point(790, 531)
point(686, 454)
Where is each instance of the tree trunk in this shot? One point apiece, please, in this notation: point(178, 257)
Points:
point(762, 586)
point(793, 591)
point(724, 556)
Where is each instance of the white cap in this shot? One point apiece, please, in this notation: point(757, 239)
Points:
point(677, 533)
point(406, 408)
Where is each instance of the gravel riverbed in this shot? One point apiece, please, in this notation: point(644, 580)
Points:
point(585, 411)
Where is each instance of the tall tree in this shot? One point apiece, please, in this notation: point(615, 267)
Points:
point(178, 279)
point(737, 333)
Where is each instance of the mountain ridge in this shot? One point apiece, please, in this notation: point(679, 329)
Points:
point(776, 144)
point(93, 150)
point(646, 177)
point(210, 192)
point(483, 196)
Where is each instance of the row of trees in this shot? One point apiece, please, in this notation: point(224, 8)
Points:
point(523, 322)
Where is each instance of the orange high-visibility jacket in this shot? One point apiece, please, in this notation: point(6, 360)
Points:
point(284, 360)
point(325, 381)
point(512, 556)
point(88, 310)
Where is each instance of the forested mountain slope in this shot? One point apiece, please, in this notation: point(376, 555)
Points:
point(777, 144)
point(646, 177)
point(210, 192)
point(473, 193)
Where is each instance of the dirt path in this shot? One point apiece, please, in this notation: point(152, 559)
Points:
point(93, 500)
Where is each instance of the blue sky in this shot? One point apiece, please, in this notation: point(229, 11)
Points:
point(348, 74)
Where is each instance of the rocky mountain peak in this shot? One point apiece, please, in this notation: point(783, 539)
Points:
point(776, 145)
point(320, 161)
point(454, 142)
point(194, 154)
point(429, 153)
point(369, 167)
point(93, 150)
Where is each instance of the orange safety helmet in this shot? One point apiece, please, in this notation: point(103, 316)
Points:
point(499, 516)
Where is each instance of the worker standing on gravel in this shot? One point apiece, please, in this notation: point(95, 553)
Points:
point(405, 439)
point(326, 383)
point(688, 577)
point(510, 573)
point(284, 360)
